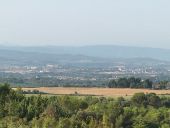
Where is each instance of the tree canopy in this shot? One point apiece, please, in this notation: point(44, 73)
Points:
point(37, 111)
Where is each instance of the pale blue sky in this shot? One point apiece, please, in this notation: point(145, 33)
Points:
point(85, 22)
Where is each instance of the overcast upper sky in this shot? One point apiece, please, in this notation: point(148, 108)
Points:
point(85, 22)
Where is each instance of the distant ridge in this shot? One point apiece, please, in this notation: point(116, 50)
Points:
point(102, 51)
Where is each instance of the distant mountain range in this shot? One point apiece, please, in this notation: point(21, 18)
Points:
point(104, 51)
point(85, 54)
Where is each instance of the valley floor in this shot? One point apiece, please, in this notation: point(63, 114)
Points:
point(108, 92)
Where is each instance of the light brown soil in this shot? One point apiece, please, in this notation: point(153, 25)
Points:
point(97, 91)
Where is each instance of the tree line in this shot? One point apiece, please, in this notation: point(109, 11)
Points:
point(141, 111)
point(133, 82)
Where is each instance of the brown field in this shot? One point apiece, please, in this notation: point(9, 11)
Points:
point(97, 91)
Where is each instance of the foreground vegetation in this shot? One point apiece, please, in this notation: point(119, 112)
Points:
point(141, 111)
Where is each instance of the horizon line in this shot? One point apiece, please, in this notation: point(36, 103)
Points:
point(78, 46)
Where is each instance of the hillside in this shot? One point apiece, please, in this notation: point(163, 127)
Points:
point(104, 51)
point(80, 56)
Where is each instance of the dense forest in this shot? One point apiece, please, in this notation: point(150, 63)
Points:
point(37, 111)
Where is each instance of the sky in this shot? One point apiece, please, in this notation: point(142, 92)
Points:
point(143, 23)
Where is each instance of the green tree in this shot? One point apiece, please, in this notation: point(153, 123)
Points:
point(123, 83)
point(153, 100)
point(83, 105)
point(139, 99)
point(112, 84)
point(163, 84)
point(147, 83)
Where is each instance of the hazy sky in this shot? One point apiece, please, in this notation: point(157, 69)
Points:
point(85, 22)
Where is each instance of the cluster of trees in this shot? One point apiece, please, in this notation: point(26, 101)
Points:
point(162, 84)
point(35, 91)
point(130, 83)
point(141, 111)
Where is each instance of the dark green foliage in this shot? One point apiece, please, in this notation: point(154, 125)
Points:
point(83, 105)
point(4, 89)
point(123, 83)
point(139, 99)
point(147, 83)
point(163, 84)
point(112, 84)
point(153, 100)
point(141, 111)
point(131, 82)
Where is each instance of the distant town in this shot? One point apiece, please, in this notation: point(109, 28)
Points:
point(67, 75)
point(81, 66)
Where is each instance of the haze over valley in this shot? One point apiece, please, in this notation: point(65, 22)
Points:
point(84, 66)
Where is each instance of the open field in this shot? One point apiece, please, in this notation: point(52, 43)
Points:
point(111, 92)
